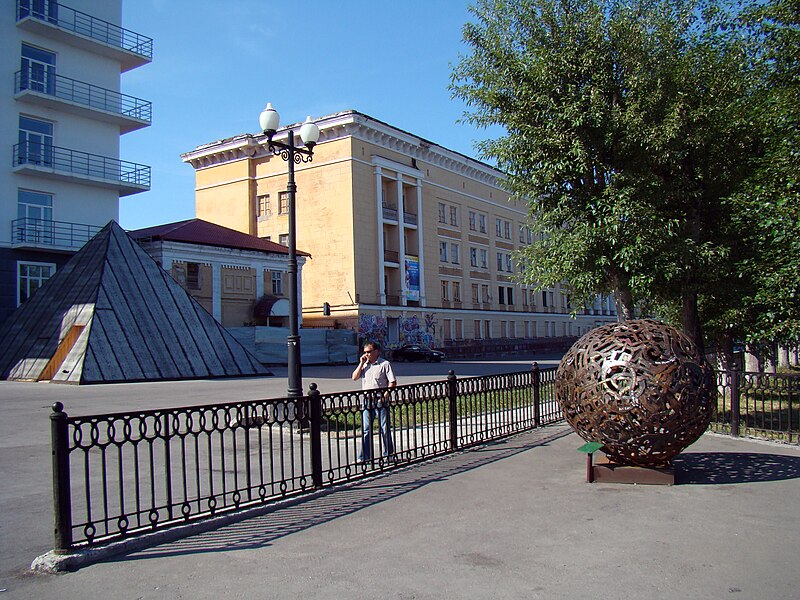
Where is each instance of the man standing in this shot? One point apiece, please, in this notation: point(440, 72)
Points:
point(375, 374)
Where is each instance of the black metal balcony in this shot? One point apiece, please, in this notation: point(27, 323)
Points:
point(64, 163)
point(44, 234)
point(128, 112)
point(48, 16)
point(389, 212)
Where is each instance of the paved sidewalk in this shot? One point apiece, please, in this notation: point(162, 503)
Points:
point(513, 519)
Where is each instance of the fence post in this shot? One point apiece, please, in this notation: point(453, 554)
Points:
point(62, 509)
point(315, 402)
point(735, 389)
point(537, 381)
point(791, 397)
point(452, 395)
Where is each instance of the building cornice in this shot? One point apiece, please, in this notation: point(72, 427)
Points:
point(356, 125)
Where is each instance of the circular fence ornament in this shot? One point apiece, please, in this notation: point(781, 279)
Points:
point(640, 387)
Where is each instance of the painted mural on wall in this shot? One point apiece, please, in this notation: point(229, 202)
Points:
point(372, 327)
point(412, 332)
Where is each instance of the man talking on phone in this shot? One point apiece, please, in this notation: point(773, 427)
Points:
point(375, 374)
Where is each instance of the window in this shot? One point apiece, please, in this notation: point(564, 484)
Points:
point(283, 203)
point(482, 223)
point(487, 329)
point(524, 297)
point(501, 296)
point(283, 239)
point(459, 329)
point(473, 257)
point(475, 295)
point(484, 259)
point(277, 283)
point(454, 215)
point(485, 294)
point(477, 327)
point(442, 251)
point(509, 265)
point(507, 229)
point(510, 295)
point(498, 227)
point(499, 261)
point(445, 290)
point(30, 277)
point(503, 331)
point(38, 70)
point(40, 9)
point(446, 333)
point(192, 276)
point(544, 298)
point(455, 254)
point(36, 211)
point(35, 142)
point(521, 234)
point(472, 224)
point(264, 208)
point(442, 213)
point(512, 329)
point(456, 291)
point(551, 294)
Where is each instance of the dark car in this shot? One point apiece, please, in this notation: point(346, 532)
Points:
point(411, 352)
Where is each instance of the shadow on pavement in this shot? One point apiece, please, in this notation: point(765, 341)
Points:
point(260, 531)
point(711, 468)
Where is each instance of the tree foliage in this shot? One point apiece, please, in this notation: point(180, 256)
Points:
point(634, 129)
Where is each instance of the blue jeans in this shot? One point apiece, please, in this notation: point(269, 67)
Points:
point(367, 417)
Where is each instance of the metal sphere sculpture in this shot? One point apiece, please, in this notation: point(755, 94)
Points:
point(641, 388)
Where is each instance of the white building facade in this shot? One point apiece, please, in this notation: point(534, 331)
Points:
point(61, 118)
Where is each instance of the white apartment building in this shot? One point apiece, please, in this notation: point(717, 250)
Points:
point(61, 118)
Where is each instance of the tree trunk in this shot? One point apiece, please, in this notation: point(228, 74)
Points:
point(691, 321)
point(725, 357)
point(623, 299)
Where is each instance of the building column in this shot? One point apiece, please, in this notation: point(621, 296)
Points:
point(421, 254)
point(401, 223)
point(216, 291)
point(381, 268)
point(259, 281)
point(300, 263)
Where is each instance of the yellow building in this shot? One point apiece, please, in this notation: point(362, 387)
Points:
point(409, 241)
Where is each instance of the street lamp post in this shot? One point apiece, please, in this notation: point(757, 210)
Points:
point(309, 134)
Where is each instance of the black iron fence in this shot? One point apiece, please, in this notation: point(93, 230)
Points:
point(118, 475)
point(122, 474)
point(759, 404)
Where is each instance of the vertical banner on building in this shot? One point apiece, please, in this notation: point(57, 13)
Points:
point(412, 278)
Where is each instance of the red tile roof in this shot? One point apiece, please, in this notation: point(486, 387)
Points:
point(197, 231)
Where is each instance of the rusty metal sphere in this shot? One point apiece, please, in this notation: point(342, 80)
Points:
point(640, 387)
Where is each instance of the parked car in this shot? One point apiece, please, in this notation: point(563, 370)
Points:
point(411, 352)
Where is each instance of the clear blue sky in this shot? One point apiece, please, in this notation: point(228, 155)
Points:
point(216, 63)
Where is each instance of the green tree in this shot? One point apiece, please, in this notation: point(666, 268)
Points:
point(768, 206)
point(627, 125)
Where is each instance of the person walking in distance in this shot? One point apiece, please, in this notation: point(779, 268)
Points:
point(375, 374)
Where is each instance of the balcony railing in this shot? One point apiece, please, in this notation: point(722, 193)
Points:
point(86, 94)
point(409, 218)
point(29, 232)
point(390, 213)
point(67, 18)
point(126, 175)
